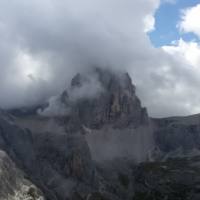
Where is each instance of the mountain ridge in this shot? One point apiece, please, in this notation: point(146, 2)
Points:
point(100, 146)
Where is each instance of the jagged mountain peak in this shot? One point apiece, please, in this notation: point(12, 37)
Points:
point(107, 78)
point(104, 97)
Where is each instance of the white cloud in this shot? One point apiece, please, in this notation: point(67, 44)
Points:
point(169, 83)
point(53, 40)
point(187, 51)
point(49, 41)
point(149, 22)
point(186, 73)
point(190, 20)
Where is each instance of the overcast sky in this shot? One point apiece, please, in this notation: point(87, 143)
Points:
point(44, 43)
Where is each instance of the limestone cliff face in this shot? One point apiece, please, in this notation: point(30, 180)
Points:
point(114, 102)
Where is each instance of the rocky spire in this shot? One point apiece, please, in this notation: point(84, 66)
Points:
point(114, 102)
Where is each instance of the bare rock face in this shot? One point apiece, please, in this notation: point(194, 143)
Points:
point(55, 162)
point(177, 136)
point(113, 100)
point(13, 184)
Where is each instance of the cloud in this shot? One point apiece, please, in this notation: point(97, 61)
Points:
point(45, 43)
point(187, 51)
point(176, 84)
point(90, 88)
point(149, 22)
point(189, 20)
point(55, 108)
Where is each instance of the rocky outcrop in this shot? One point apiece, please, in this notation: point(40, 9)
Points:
point(109, 115)
point(114, 101)
point(53, 161)
point(13, 184)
